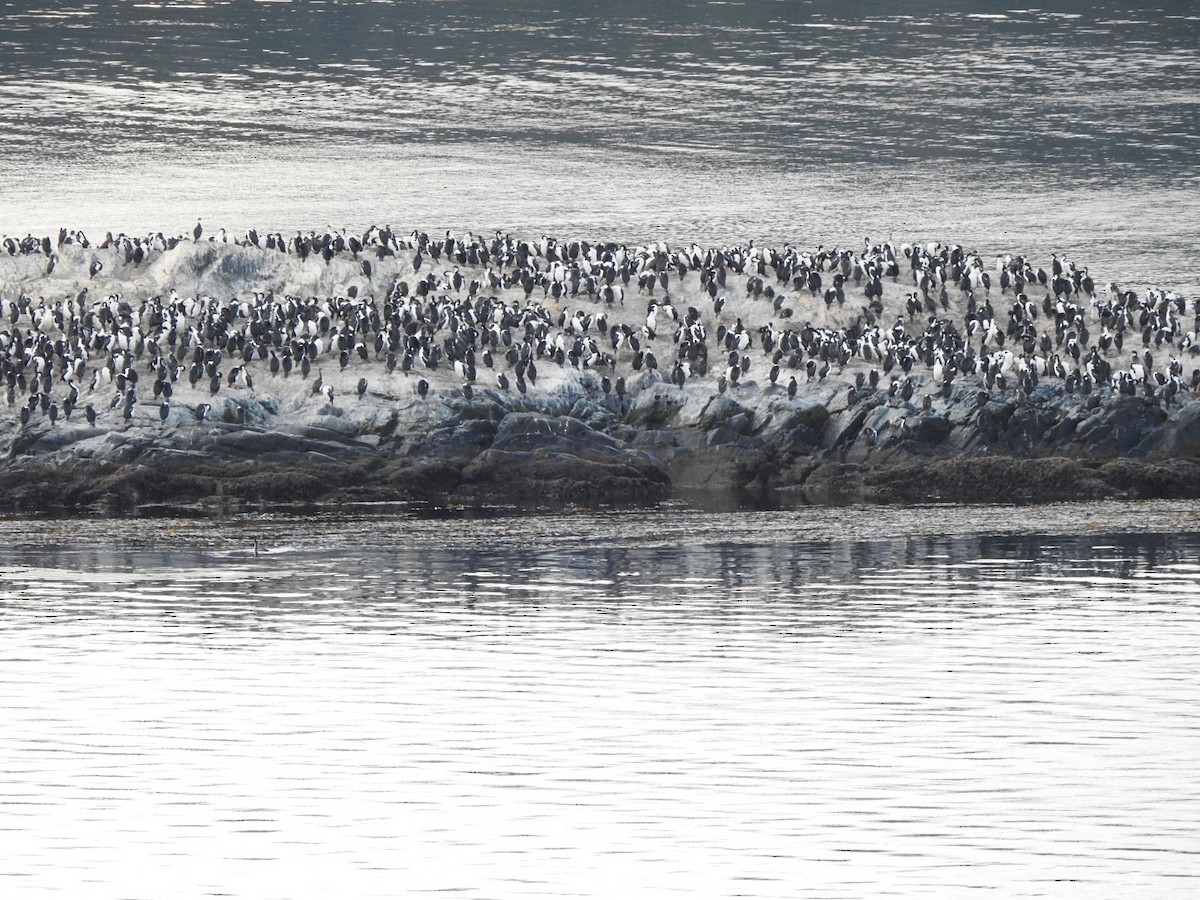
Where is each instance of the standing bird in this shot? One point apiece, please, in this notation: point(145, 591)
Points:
point(362, 386)
point(198, 230)
point(164, 410)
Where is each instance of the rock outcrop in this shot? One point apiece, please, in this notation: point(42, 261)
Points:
point(598, 423)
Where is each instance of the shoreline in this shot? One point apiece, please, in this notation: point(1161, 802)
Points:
point(500, 373)
point(222, 470)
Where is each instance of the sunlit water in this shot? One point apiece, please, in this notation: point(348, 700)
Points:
point(825, 703)
point(1071, 128)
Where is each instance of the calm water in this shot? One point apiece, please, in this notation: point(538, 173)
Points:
point(1073, 127)
point(825, 703)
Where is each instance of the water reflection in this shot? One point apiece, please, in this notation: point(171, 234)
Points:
point(784, 704)
point(692, 579)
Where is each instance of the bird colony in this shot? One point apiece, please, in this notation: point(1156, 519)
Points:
point(172, 332)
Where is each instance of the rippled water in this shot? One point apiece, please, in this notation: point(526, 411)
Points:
point(832, 703)
point(1071, 128)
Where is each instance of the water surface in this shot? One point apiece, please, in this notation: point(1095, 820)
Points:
point(826, 703)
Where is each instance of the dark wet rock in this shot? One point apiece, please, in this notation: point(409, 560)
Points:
point(1183, 439)
point(721, 435)
point(50, 440)
point(741, 424)
point(986, 479)
point(488, 408)
point(1126, 426)
point(844, 428)
point(535, 458)
point(656, 405)
point(725, 467)
point(596, 415)
point(247, 442)
point(833, 482)
point(1137, 424)
point(323, 435)
point(536, 432)
point(572, 444)
point(459, 442)
point(800, 437)
point(717, 413)
point(993, 418)
point(932, 430)
point(1169, 479)
point(539, 478)
point(1064, 430)
point(650, 440)
point(1026, 428)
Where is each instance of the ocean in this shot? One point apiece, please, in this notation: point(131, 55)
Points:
point(812, 703)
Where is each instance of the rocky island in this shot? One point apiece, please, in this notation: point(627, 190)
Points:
point(329, 367)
